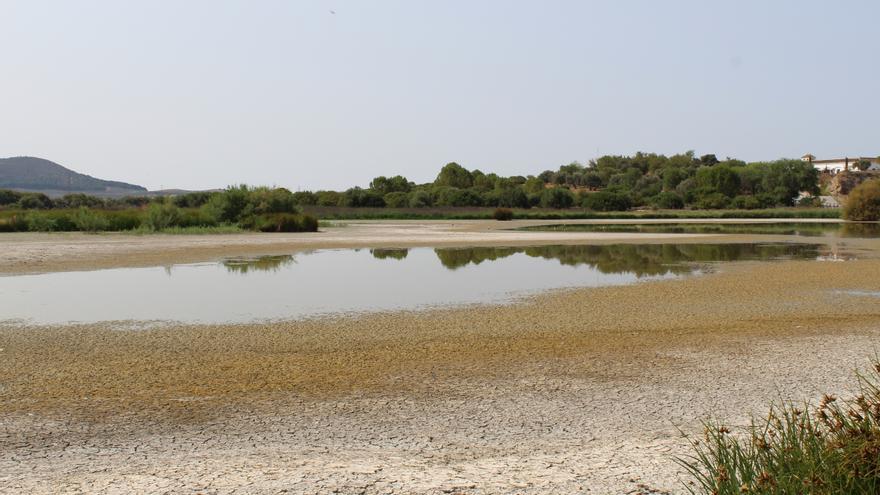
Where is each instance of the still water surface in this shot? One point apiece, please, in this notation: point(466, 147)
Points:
point(345, 281)
point(808, 229)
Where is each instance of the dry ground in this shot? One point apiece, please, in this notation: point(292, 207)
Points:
point(580, 390)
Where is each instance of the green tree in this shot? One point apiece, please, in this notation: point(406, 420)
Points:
point(420, 199)
point(454, 175)
point(34, 201)
point(720, 178)
point(396, 199)
point(327, 198)
point(231, 205)
point(672, 177)
point(384, 185)
point(8, 197)
point(607, 201)
point(557, 197)
point(533, 185)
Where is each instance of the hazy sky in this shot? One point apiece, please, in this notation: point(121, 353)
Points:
point(200, 94)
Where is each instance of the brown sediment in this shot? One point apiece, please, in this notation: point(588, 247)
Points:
point(573, 389)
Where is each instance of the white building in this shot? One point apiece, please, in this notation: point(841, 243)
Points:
point(835, 165)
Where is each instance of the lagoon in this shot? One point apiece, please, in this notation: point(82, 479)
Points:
point(349, 281)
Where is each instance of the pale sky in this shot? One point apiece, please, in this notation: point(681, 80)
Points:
point(201, 94)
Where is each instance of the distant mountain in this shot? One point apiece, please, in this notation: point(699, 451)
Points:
point(25, 173)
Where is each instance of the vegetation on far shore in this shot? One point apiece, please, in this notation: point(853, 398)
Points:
point(481, 213)
point(642, 186)
point(825, 449)
point(848, 229)
point(610, 183)
point(235, 209)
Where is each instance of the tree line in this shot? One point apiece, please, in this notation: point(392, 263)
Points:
point(609, 183)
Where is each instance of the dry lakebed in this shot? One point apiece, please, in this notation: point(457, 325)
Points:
point(573, 388)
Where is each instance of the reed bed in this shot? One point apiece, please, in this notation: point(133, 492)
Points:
point(829, 448)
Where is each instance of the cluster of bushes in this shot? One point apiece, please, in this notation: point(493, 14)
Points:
point(863, 203)
point(263, 209)
point(610, 183)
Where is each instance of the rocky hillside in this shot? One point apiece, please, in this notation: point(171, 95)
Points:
point(842, 183)
point(36, 174)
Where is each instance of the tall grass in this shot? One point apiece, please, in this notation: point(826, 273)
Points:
point(830, 448)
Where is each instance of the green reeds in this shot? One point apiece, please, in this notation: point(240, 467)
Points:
point(829, 448)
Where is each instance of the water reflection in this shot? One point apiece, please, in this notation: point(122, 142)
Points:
point(259, 264)
point(347, 280)
point(639, 259)
point(852, 230)
point(393, 254)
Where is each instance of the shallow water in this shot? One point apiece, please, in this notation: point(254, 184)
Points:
point(345, 281)
point(847, 230)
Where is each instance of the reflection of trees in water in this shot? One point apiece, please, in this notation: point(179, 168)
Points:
point(260, 264)
point(390, 253)
point(860, 230)
point(795, 228)
point(640, 259)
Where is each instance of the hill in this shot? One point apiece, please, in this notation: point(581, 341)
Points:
point(25, 173)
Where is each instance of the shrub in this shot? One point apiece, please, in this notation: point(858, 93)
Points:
point(121, 220)
point(810, 202)
point(502, 214)
point(831, 448)
point(15, 223)
point(196, 218)
point(557, 197)
point(39, 222)
point(745, 202)
point(668, 201)
point(193, 199)
point(78, 200)
point(88, 220)
point(230, 205)
point(162, 215)
point(713, 201)
point(607, 201)
point(863, 203)
point(284, 222)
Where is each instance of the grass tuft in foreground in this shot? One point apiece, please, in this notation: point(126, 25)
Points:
point(832, 448)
